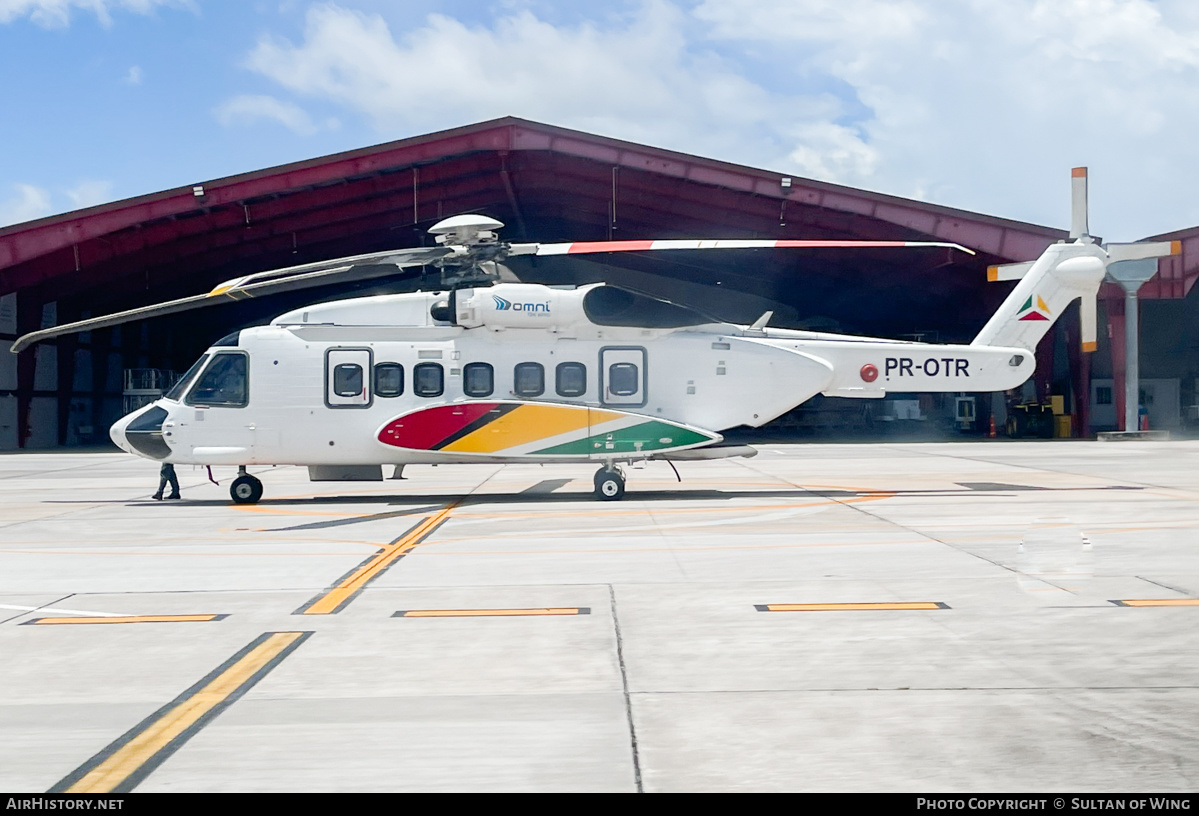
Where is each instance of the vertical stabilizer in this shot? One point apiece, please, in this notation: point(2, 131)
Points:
point(1064, 272)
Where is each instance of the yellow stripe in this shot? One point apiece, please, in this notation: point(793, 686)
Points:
point(527, 423)
point(125, 761)
point(1089, 347)
point(1162, 602)
point(992, 273)
point(125, 619)
point(600, 416)
point(482, 613)
point(850, 607)
point(328, 603)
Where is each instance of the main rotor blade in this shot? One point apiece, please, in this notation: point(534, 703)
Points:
point(276, 281)
point(590, 247)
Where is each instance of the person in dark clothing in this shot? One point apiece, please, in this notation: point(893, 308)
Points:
point(167, 476)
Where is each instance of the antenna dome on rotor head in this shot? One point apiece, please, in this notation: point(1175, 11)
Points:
point(464, 228)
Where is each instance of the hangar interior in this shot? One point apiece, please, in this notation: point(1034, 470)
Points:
point(553, 184)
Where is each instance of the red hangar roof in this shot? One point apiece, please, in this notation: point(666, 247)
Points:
point(546, 183)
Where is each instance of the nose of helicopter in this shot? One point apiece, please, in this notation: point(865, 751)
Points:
point(140, 433)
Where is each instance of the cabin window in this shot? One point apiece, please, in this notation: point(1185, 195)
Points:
point(622, 379)
point(529, 380)
point(570, 379)
point(478, 379)
point(428, 379)
point(389, 379)
point(224, 382)
point(347, 380)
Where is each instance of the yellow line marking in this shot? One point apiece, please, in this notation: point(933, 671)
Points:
point(130, 757)
point(127, 619)
point(1160, 602)
point(334, 598)
point(849, 607)
point(480, 613)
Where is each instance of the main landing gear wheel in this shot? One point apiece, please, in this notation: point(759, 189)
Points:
point(245, 490)
point(609, 485)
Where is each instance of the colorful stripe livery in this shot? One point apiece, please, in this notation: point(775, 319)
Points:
point(537, 429)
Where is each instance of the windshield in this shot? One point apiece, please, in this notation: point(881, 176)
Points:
point(181, 387)
point(224, 382)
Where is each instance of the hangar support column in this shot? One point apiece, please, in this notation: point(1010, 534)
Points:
point(29, 319)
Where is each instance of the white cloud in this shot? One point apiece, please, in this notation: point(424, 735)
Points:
point(57, 13)
point(134, 77)
point(30, 202)
point(979, 104)
point(249, 108)
point(637, 79)
point(89, 193)
point(985, 104)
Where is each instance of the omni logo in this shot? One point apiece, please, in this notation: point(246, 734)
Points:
point(502, 305)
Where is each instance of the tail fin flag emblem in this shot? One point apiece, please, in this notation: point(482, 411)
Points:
point(1041, 312)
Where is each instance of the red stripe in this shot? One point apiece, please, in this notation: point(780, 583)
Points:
point(422, 430)
point(1035, 316)
point(608, 246)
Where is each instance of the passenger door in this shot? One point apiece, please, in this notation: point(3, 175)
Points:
point(622, 376)
point(348, 378)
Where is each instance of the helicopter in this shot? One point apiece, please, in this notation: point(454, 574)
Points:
point(486, 368)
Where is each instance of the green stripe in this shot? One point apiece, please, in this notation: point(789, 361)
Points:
point(650, 435)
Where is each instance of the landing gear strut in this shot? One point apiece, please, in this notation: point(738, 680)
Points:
point(609, 484)
point(245, 488)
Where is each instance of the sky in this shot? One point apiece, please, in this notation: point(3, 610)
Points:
point(983, 105)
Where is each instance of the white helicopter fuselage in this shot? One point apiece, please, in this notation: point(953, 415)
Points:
point(517, 372)
point(383, 380)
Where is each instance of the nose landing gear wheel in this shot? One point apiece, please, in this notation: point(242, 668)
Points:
point(245, 490)
point(609, 485)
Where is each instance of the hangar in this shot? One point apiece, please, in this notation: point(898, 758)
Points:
point(553, 184)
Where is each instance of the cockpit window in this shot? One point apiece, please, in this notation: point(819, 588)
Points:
point(613, 306)
point(225, 382)
point(180, 387)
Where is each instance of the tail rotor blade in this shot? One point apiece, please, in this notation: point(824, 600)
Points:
point(1078, 203)
point(1088, 320)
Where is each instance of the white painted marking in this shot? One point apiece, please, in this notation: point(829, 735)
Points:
point(65, 611)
